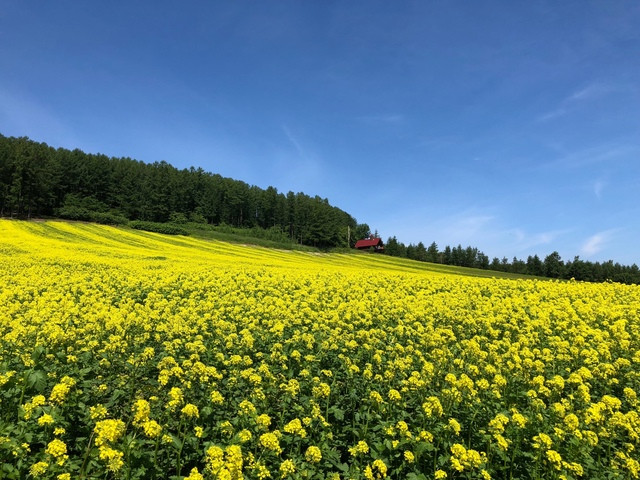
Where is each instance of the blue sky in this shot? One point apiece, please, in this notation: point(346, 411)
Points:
point(513, 127)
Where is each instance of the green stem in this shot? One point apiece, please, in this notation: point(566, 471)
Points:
point(129, 457)
point(24, 387)
point(155, 456)
point(179, 459)
point(86, 456)
point(366, 423)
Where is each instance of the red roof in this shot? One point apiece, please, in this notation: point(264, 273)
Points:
point(369, 242)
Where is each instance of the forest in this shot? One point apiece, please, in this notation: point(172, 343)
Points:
point(37, 180)
point(552, 266)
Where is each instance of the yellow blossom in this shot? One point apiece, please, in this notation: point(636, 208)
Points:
point(313, 454)
point(287, 468)
point(108, 431)
point(190, 411)
point(38, 469)
point(45, 419)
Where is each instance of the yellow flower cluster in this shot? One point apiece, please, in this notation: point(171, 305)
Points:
point(463, 458)
point(295, 427)
point(271, 442)
point(225, 463)
point(108, 431)
point(313, 454)
point(57, 449)
point(122, 351)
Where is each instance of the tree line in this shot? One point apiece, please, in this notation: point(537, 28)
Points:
point(39, 180)
point(551, 267)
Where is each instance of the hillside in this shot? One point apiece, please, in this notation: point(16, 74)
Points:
point(38, 181)
point(53, 240)
point(129, 354)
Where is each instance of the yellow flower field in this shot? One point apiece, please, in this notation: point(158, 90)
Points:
point(132, 355)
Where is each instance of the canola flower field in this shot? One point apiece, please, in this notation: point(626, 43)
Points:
point(132, 355)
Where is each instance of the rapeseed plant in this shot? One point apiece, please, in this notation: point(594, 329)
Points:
point(127, 354)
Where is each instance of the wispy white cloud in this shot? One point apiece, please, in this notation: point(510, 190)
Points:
point(590, 91)
point(552, 114)
point(297, 166)
point(474, 226)
point(570, 102)
point(293, 140)
point(471, 226)
point(526, 241)
point(596, 243)
point(592, 156)
point(466, 225)
point(598, 186)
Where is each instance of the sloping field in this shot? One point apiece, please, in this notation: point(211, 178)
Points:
point(126, 354)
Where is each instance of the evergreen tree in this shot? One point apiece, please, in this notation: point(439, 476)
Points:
point(433, 255)
point(421, 252)
point(534, 266)
point(553, 266)
point(447, 256)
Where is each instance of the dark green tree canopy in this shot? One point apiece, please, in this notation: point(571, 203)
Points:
point(38, 180)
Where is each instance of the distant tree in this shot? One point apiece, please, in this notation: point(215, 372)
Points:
point(575, 269)
point(395, 248)
point(482, 261)
point(534, 266)
point(391, 247)
point(178, 217)
point(432, 253)
point(457, 256)
point(362, 231)
point(518, 266)
point(402, 250)
point(421, 252)
point(470, 257)
point(504, 264)
point(447, 256)
point(553, 266)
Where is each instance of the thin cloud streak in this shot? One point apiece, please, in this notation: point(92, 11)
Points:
point(596, 243)
point(466, 225)
point(598, 187)
point(553, 114)
point(592, 156)
point(302, 171)
point(293, 141)
point(569, 103)
point(589, 92)
point(526, 242)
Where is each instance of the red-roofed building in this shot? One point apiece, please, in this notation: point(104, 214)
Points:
point(371, 243)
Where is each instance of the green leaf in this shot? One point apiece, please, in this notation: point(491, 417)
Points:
point(337, 413)
point(37, 379)
point(37, 354)
point(424, 447)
